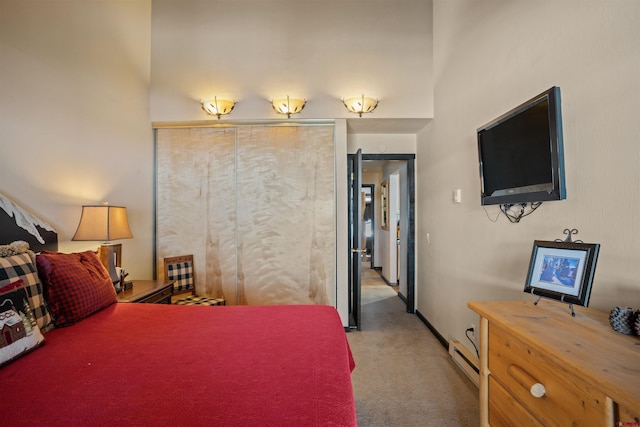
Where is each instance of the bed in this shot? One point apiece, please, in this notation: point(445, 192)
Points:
point(154, 364)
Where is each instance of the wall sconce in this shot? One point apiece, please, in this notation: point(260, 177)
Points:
point(105, 223)
point(360, 104)
point(288, 105)
point(218, 107)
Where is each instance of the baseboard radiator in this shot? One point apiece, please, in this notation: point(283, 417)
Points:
point(465, 360)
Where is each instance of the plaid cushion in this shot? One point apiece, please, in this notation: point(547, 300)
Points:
point(182, 273)
point(22, 266)
point(76, 285)
point(20, 332)
point(194, 300)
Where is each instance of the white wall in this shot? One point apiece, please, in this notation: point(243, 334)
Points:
point(403, 199)
point(382, 143)
point(489, 56)
point(342, 223)
point(74, 115)
point(253, 51)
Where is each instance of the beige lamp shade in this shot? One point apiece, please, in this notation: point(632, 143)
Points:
point(288, 106)
point(218, 107)
point(104, 223)
point(360, 104)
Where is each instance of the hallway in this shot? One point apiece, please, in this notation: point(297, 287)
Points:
point(403, 375)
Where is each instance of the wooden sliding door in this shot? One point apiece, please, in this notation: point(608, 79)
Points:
point(255, 205)
point(195, 191)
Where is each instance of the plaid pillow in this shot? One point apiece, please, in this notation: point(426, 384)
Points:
point(22, 266)
point(76, 285)
point(20, 332)
point(182, 273)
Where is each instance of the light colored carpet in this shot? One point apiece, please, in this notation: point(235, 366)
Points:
point(403, 375)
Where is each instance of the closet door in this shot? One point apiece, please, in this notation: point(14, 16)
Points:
point(255, 205)
point(195, 199)
point(286, 215)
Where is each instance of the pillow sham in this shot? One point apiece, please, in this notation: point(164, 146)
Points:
point(20, 332)
point(76, 285)
point(22, 266)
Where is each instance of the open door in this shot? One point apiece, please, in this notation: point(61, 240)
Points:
point(407, 225)
point(355, 238)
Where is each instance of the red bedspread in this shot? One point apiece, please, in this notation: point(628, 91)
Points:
point(146, 364)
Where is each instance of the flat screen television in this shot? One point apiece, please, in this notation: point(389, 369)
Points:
point(521, 154)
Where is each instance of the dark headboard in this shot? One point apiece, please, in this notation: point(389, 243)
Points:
point(17, 223)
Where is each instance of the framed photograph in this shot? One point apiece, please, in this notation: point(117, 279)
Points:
point(384, 194)
point(562, 270)
point(103, 254)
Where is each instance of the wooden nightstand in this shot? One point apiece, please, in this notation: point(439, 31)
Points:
point(148, 291)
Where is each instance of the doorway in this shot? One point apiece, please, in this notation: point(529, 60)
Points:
point(399, 226)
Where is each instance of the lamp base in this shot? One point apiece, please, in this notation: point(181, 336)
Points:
point(110, 257)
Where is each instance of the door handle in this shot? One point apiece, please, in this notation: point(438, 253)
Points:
point(356, 250)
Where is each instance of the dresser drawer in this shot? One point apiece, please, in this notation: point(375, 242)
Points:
point(564, 400)
point(627, 415)
point(148, 291)
point(161, 297)
point(505, 411)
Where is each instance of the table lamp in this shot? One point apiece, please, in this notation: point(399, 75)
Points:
point(104, 223)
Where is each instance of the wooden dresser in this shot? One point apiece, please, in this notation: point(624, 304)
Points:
point(541, 367)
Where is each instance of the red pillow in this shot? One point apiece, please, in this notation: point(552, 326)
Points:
point(76, 285)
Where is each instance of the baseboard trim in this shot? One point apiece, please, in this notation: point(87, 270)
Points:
point(385, 280)
point(433, 330)
point(402, 297)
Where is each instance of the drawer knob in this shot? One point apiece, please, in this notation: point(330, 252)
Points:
point(537, 390)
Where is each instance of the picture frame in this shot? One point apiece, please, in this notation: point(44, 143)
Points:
point(103, 254)
point(384, 194)
point(562, 271)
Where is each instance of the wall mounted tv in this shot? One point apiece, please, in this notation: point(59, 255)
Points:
point(521, 155)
